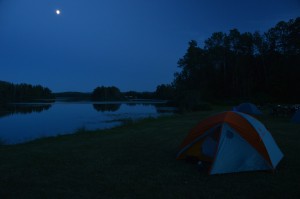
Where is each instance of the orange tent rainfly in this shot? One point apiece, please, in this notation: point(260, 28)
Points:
point(232, 142)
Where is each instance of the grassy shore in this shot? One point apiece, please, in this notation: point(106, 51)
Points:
point(138, 161)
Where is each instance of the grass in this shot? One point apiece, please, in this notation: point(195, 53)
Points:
point(138, 161)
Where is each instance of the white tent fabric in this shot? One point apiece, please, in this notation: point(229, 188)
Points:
point(274, 152)
point(235, 154)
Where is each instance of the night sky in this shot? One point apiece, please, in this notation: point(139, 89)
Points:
point(130, 44)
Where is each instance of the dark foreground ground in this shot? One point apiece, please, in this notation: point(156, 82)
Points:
point(138, 161)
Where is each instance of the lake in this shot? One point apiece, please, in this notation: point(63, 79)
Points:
point(24, 122)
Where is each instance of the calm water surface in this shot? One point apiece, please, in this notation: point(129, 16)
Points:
point(24, 122)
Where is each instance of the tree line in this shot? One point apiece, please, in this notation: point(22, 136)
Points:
point(10, 92)
point(112, 93)
point(240, 66)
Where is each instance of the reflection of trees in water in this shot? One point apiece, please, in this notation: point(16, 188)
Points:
point(162, 108)
point(106, 107)
point(10, 109)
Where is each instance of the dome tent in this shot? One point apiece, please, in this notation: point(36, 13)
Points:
point(248, 108)
point(231, 142)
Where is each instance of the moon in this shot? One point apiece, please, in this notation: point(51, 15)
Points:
point(57, 12)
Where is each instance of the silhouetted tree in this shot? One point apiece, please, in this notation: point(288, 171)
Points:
point(239, 66)
point(107, 94)
point(165, 92)
point(23, 92)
